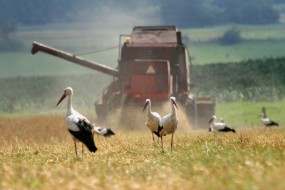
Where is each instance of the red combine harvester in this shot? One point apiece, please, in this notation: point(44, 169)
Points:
point(153, 63)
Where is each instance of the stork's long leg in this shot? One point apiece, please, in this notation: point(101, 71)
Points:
point(152, 138)
point(75, 148)
point(171, 140)
point(162, 144)
point(82, 149)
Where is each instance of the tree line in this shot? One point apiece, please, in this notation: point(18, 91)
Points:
point(183, 13)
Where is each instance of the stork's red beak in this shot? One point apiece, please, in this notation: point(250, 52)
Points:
point(174, 103)
point(145, 106)
point(62, 97)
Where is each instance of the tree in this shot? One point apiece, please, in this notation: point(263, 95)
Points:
point(232, 36)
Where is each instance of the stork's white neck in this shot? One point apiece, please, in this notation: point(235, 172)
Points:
point(213, 122)
point(173, 109)
point(69, 103)
point(149, 108)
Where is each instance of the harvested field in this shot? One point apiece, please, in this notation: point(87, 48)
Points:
point(36, 152)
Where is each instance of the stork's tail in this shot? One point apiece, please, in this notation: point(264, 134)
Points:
point(274, 124)
point(109, 132)
point(228, 129)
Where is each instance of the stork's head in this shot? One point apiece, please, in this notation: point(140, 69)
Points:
point(173, 101)
point(262, 115)
point(147, 102)
point(213, 119)
point(67, 92)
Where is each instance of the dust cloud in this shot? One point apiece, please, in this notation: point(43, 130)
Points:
point(133, 118)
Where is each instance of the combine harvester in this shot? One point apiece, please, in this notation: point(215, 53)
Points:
point(153, 63)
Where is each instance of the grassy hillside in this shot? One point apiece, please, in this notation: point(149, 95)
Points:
point(258, 42)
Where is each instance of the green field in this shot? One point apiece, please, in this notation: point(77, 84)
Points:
point(248, 32)
point(25, 64)
point(246, 114)
point(214, 53)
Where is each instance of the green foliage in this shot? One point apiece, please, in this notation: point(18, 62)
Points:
point(33, 94)
point(252, 80)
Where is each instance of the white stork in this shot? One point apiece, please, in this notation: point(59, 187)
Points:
point(267, 122)
point(169, 122)
point(153, 120)
point(219, 126)
point(106, 132)
point(78, 126)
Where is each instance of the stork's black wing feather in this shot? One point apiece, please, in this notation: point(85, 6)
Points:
point(158, 131)
point(85, 135)
point(84, 126)
point(272, 123)
point(227, 129)
point(86, 139)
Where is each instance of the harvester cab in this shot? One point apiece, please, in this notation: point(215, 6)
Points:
point(155, 57)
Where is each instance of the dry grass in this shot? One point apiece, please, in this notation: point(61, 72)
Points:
point(37, 153)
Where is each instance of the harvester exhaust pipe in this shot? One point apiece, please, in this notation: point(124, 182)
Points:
point(73, 58)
